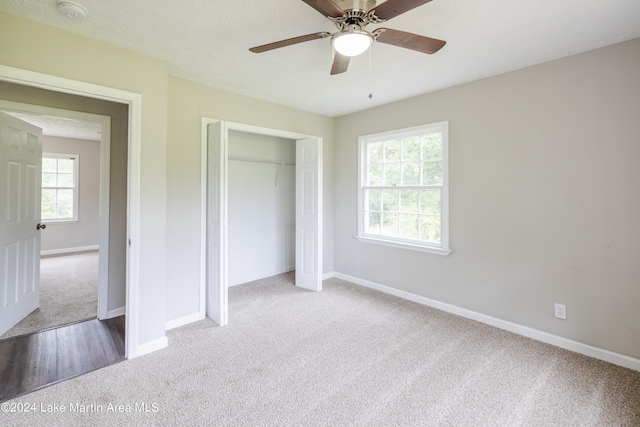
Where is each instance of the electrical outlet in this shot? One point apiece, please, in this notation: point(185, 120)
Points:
point(561, 311)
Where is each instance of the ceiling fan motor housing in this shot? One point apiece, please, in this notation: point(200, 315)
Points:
point(363, 5)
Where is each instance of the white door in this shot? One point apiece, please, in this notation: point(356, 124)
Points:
point(216, 281)
point(309, 214)
point(20, 180)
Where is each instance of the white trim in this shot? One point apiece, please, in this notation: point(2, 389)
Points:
point(70, 250)
point(578, 347)
point(184, 320)
point(443, 247)
point(151, 346)
point(75, 188)
point(408, 246)
point(105, 203)
point(329, 275)
point(134, 101)
point(272, 273)
point(120, 311)
point(205, 122)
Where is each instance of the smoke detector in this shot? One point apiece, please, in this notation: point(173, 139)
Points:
point(72, 9)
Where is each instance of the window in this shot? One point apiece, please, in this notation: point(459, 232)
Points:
point(59, 187)
point(403, 188)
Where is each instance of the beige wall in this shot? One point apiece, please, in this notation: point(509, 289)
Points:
point(86, 231)
point(188, 103)
point(545, 201)
point(35, 47)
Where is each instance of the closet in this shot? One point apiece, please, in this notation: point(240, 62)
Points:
point(261, 206)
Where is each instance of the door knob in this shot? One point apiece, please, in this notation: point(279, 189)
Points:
point(41, 226)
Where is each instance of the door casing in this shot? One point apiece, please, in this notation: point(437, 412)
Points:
point(204, 196)
point(134, 102)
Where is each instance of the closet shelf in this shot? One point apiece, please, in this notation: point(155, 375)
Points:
point(271, 162)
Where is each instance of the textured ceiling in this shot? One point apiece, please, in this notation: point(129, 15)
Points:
point(207, 41)
point(63, 127)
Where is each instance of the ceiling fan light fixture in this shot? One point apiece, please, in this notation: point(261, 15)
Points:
point(352, 42)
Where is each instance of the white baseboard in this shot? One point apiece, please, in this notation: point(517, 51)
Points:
point(120, 311)
point(578, 347)
point(273, 273)
point(327, 276)
point(70, 250)
point(184, 320)
point(150, 347)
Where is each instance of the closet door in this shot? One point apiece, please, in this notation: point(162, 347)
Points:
point(309, 214)
point(216, 281)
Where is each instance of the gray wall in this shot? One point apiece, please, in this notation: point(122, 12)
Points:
point(261, 214)
point(86, 231)
point(545, 201)
point(118, 170)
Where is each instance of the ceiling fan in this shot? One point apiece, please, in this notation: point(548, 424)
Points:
point(351, 17)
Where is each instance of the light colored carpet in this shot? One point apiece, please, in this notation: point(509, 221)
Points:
point(68, 293)
point(345, 356)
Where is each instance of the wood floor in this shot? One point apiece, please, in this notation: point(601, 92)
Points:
point(33, 361)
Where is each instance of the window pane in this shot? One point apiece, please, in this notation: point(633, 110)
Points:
point(432, 172)
point(65, 166)
point(65, 210)
point(49, 165)
point(375, 175)
point(430, 202)
point(373, 223)
point(65, 180)
point(432, 146)
point(430, 228)
point(389, 200)
point(411, 174)
point(48, 211)
point(48, 196)
point(389, 224)
point(411, 149)
point(65, 196)
point(392, 174)
point(409, 227)
point(49, 180)
point(409, 201)
point(374, 152)
point(392, 150)
point(373, 200)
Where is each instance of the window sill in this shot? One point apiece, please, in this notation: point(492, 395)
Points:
point(408, 246)
point(59, 221)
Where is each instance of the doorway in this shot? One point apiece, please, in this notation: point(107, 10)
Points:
point(308, 212)
point(15, 82)
point(76, 152)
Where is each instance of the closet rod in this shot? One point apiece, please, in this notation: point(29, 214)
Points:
point(240, 159)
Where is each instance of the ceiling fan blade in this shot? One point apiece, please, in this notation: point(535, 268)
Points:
point(326, 7)
point(410, 41)
point(392, 8)
point(340, 64)
point(288, 42)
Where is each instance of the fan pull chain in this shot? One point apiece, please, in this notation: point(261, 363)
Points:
point(370, 74)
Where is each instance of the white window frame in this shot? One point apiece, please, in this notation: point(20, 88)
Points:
point(76, 168)
point(441, 248)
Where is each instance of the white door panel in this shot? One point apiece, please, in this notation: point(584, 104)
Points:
point(309, 214)
point(20, 179)
point(216, 282)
